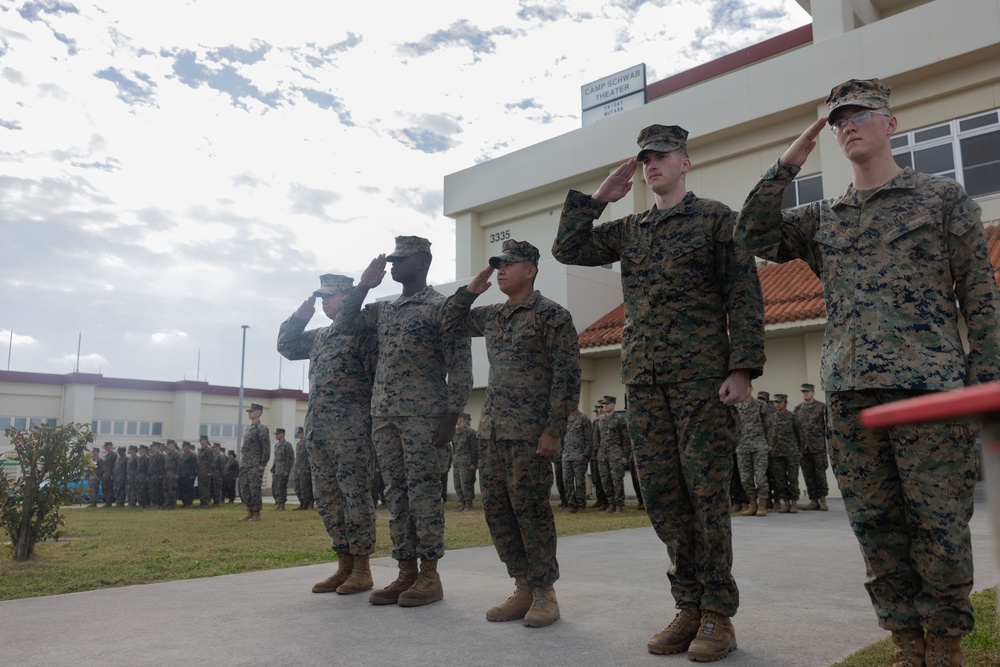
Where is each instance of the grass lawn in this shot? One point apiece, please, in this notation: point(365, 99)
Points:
point(110, 547)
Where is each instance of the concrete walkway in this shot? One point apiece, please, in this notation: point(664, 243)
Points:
point(800, 577)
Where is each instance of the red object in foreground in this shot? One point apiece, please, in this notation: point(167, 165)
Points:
point(969, 402)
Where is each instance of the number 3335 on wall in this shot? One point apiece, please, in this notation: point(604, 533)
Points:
point(496, 237)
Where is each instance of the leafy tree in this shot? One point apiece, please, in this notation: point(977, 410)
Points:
point(50, 457)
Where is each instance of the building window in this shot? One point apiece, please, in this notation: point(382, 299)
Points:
point(122, 427)
point(22, 423)
point(218, 430)
point(803, 191)
point(965, 149)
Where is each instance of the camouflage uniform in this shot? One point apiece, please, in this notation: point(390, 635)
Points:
point(810, 418)
point(229, 477)
point(133, 479)
point(893, 263)
point(614, 446)
point(142, 478)
point(534, 383)
point(254, 454)
point(422, 374)
point(784, 459)
point(206, 473)
point(121, 479)
point(108, 477)
point(751, 452)
point(94, 478)
point(188, 473)
point(154, 482)
point(302, 471)
point(338, 427)
point(577, 445)
point(281, 468)
point(466, 447)
point(219, 476)
point(693, 313)
point(171, 478)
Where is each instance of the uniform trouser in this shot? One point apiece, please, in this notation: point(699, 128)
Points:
point(575, 476)
point(465, 482)
point(170, 486)
point(516, 484)
point(683, 438)
point(108, 485)
point(908, 493)
point(342, 473)
point(753, 472)
point(205, 489)
point(229, 489)
point(155, 485)
point(218, 486)
point(814, 465)
point(185, 488)
point(134, 494)
point(143, 483)
point(785, 473)
point(93, 486)
point(411, 467)
point(121, 486)
point(613, 480)
point(635, 481)
point(600, 497)
point(279, 487)
point(736, 492)
point(560, 483)
point(304, 487)
point(250, 483)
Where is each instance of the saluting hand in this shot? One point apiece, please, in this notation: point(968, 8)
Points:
point(373, 275)
point(796, 154)
point(618, 184)
point(481, 282)
point(307, 309)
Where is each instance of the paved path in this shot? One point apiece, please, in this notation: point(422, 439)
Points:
point(800, 577)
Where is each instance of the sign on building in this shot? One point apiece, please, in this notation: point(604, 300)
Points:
point(613, 94)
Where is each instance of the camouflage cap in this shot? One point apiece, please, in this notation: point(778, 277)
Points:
point(781, 398)
point(255, 406)
point(408, 245)
point(121, 448)
point(142, 447)
point(186, 442)
point(466, 415)
point(279, 430)
point(611, 399)
point(661, 139)
point(867, 93)
point(515, 251)
point(109, 443)
point(331, 284)
point(764, 396)
point(808, 387)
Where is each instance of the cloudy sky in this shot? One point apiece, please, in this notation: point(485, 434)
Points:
point(170, 171)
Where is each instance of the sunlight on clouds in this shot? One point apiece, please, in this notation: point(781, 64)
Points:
point(18, 339)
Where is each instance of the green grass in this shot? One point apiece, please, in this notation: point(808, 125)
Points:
point(981, 648)
point(111, 547)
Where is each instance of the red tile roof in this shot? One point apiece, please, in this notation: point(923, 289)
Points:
point(792, 293)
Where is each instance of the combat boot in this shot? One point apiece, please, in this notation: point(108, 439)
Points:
point(793, 506)
point(360, 579)
point(544, 609)
point(736, 508)
point(909, 645)
point(750, 509)
point(761, 507)
point(514, 607)
point(813, 505)
point(716, 637)
point(254, 516)
point(677, 636)
point(611, 509)
point(943, 651)
point(427, 587)
point(280, 507)
point(822, 504)
point(461, 507)
point(598, 505)
point(345, 564)
point(248, 516)
point(573, 510)
point(786, 507)
point(390, 594)
point(468, 506)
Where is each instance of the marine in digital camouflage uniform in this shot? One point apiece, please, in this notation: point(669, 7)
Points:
point(810, 418)
point(751, 453)
point(600, 497)
point(281, 467)
point(229, 478)
point(206, 471)
point(465, 445)
point(692, 340)
point(422, 383)
point(577, 448)
point(132, 475)
point(121, 476)
point(108, 474)
point(894, 252)
point(171, 475)
point(142, 475)
point(783, 462)
point(154, 482)
point(302, 472)
point(615, 450)
point(338, 431)
point(188, 474)
point(219, 477)
point(533, 386)
point(254, 455)
point(94, 471)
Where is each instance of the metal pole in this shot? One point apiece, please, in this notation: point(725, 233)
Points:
point(79, 341)
point(239, 417)
point(10, 346)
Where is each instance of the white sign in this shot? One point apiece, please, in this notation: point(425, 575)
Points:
point(626, 83)
point(633, 101)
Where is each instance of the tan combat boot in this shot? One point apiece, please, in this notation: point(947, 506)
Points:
point(390, 594)
point(822, 504)
point(544, 609)
point(280, 507)
point(360, 579)
point(736, 508)
point(426, 589)
point(786, 507)
point(750, 509)
point(943, 651)
point(677, 636)
point(248, 516)
point(255, 516)
point(716, 637)
point(514, 607)
point(345, 563)
point(761, 507)
point(813, 505)
point(793, 506)
point(909, 646)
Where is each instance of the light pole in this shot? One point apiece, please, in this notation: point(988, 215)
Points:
point(239, 417)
